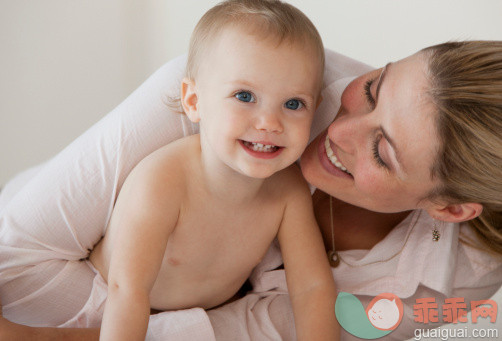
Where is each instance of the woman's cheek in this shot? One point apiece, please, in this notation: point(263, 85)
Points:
point(368, 181)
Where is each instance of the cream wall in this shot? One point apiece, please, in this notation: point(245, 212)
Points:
point(64, 64)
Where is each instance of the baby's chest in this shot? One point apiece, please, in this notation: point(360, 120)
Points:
point(221, 243)
point(213, 253)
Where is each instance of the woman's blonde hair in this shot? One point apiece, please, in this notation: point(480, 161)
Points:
point(265, 18)
point(466, 88)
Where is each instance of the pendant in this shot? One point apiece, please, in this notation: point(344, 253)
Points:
point(333, 258)
point(435, 235)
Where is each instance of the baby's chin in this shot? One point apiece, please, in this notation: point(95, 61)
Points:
point(258, 172)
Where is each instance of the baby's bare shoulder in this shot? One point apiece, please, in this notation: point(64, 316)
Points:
point(165, 170)
point(152, 194)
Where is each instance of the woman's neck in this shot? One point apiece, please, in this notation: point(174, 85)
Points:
point(354, 227)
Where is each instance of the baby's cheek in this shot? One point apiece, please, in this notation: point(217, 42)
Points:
point(301, 132)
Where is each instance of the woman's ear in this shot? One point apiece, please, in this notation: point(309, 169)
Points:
point(189, 99)
point(455, 213)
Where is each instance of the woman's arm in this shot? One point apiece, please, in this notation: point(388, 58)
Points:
point(60, 212)
point(190, 324)
point(16, 332)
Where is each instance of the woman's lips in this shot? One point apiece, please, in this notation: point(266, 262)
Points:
point(327, 164)
point(261, 150)
point(332, 157)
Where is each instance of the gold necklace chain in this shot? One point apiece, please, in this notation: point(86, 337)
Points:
point(333, 256)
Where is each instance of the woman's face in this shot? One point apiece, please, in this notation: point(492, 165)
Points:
point(378, 152)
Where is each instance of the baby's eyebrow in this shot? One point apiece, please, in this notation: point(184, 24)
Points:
point(309, 97)
point(241, 82)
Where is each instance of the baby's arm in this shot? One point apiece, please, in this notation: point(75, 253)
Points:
point(143, 218)
point(308, 274)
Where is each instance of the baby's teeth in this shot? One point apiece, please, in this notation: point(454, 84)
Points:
point(260, 147)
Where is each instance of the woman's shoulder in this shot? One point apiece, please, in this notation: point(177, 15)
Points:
point(454, 260)
point(472, 255)
point(410, 255)
point(340, 66)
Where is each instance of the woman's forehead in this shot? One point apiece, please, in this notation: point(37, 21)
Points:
point(408, 114)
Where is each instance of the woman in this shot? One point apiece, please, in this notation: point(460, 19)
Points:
point(416, 140)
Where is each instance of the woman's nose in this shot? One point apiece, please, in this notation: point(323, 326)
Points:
point(347, 131)
point(269, 120)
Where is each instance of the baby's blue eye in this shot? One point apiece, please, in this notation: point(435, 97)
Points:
point(293, 104)
point(244, 96)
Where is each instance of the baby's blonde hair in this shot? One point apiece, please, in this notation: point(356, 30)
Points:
point(264, 18)
point(466, 88)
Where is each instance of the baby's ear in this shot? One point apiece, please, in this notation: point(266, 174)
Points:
point(189, 99)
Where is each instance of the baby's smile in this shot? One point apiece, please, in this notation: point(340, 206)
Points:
point(260, 147)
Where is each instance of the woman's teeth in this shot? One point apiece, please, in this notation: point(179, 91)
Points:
point(258, 147)
point(332, 157)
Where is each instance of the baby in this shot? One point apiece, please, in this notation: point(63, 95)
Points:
point(195, 217)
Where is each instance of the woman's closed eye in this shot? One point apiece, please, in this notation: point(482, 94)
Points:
point(245, 96)
point(376, 154)
point(367, 91)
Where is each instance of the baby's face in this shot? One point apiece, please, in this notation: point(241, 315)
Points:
point(256, 101)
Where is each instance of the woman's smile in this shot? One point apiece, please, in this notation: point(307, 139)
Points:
point(332, 157)
point(329, 161)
